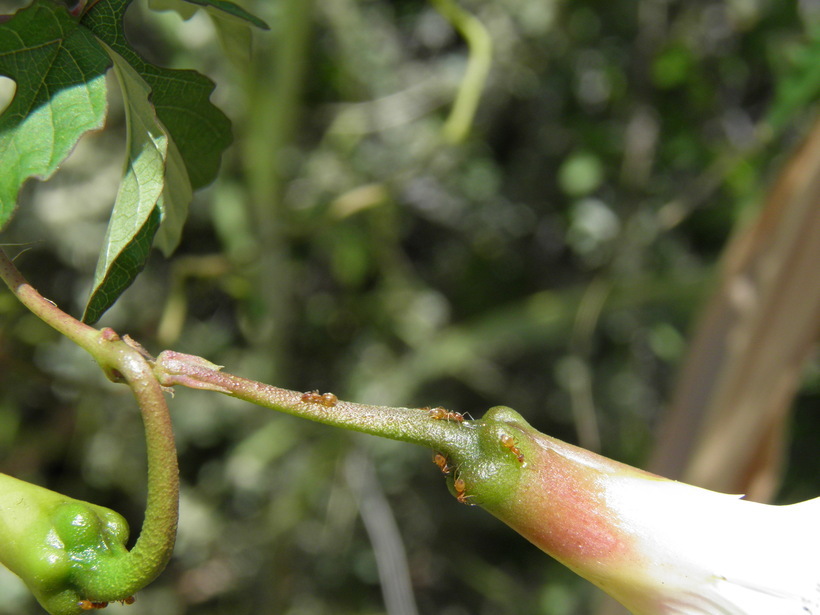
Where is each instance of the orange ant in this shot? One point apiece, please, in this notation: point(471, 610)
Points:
point(509, 442)
point(88, 605)
point(328, 400)
point(443, 414)
point(461, 487)
point(441, 461)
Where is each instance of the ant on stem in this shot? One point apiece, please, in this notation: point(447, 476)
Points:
point(441, 461)
point(442, 414)
point(461, 488)
point(509, 442)
point(328, 400)
point(90, 605)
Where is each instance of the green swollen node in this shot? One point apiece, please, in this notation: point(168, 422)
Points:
point(60, 547)
point(486, 466)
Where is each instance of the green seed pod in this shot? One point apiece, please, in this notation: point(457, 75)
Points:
point(55, 544)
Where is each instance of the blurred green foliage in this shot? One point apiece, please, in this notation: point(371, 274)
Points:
point(551, 262)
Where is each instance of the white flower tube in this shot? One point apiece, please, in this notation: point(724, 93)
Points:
point(656, 545)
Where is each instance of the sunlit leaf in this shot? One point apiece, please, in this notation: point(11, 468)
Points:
point(181, 98)
point(136, 213)
point(176, 139)
point(60, 73)
point(176, 196)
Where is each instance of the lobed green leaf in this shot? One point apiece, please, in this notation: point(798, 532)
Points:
point(134, 220)
point(176, 140)
point(181, 97)
point(59, 69)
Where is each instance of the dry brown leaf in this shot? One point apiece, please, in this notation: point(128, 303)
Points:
point(725, 429)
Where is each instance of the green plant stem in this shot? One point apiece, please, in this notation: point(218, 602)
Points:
point(415, 425)
point(81, 334)
point(123, 361)
point(155, 544)
point(480, 45)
